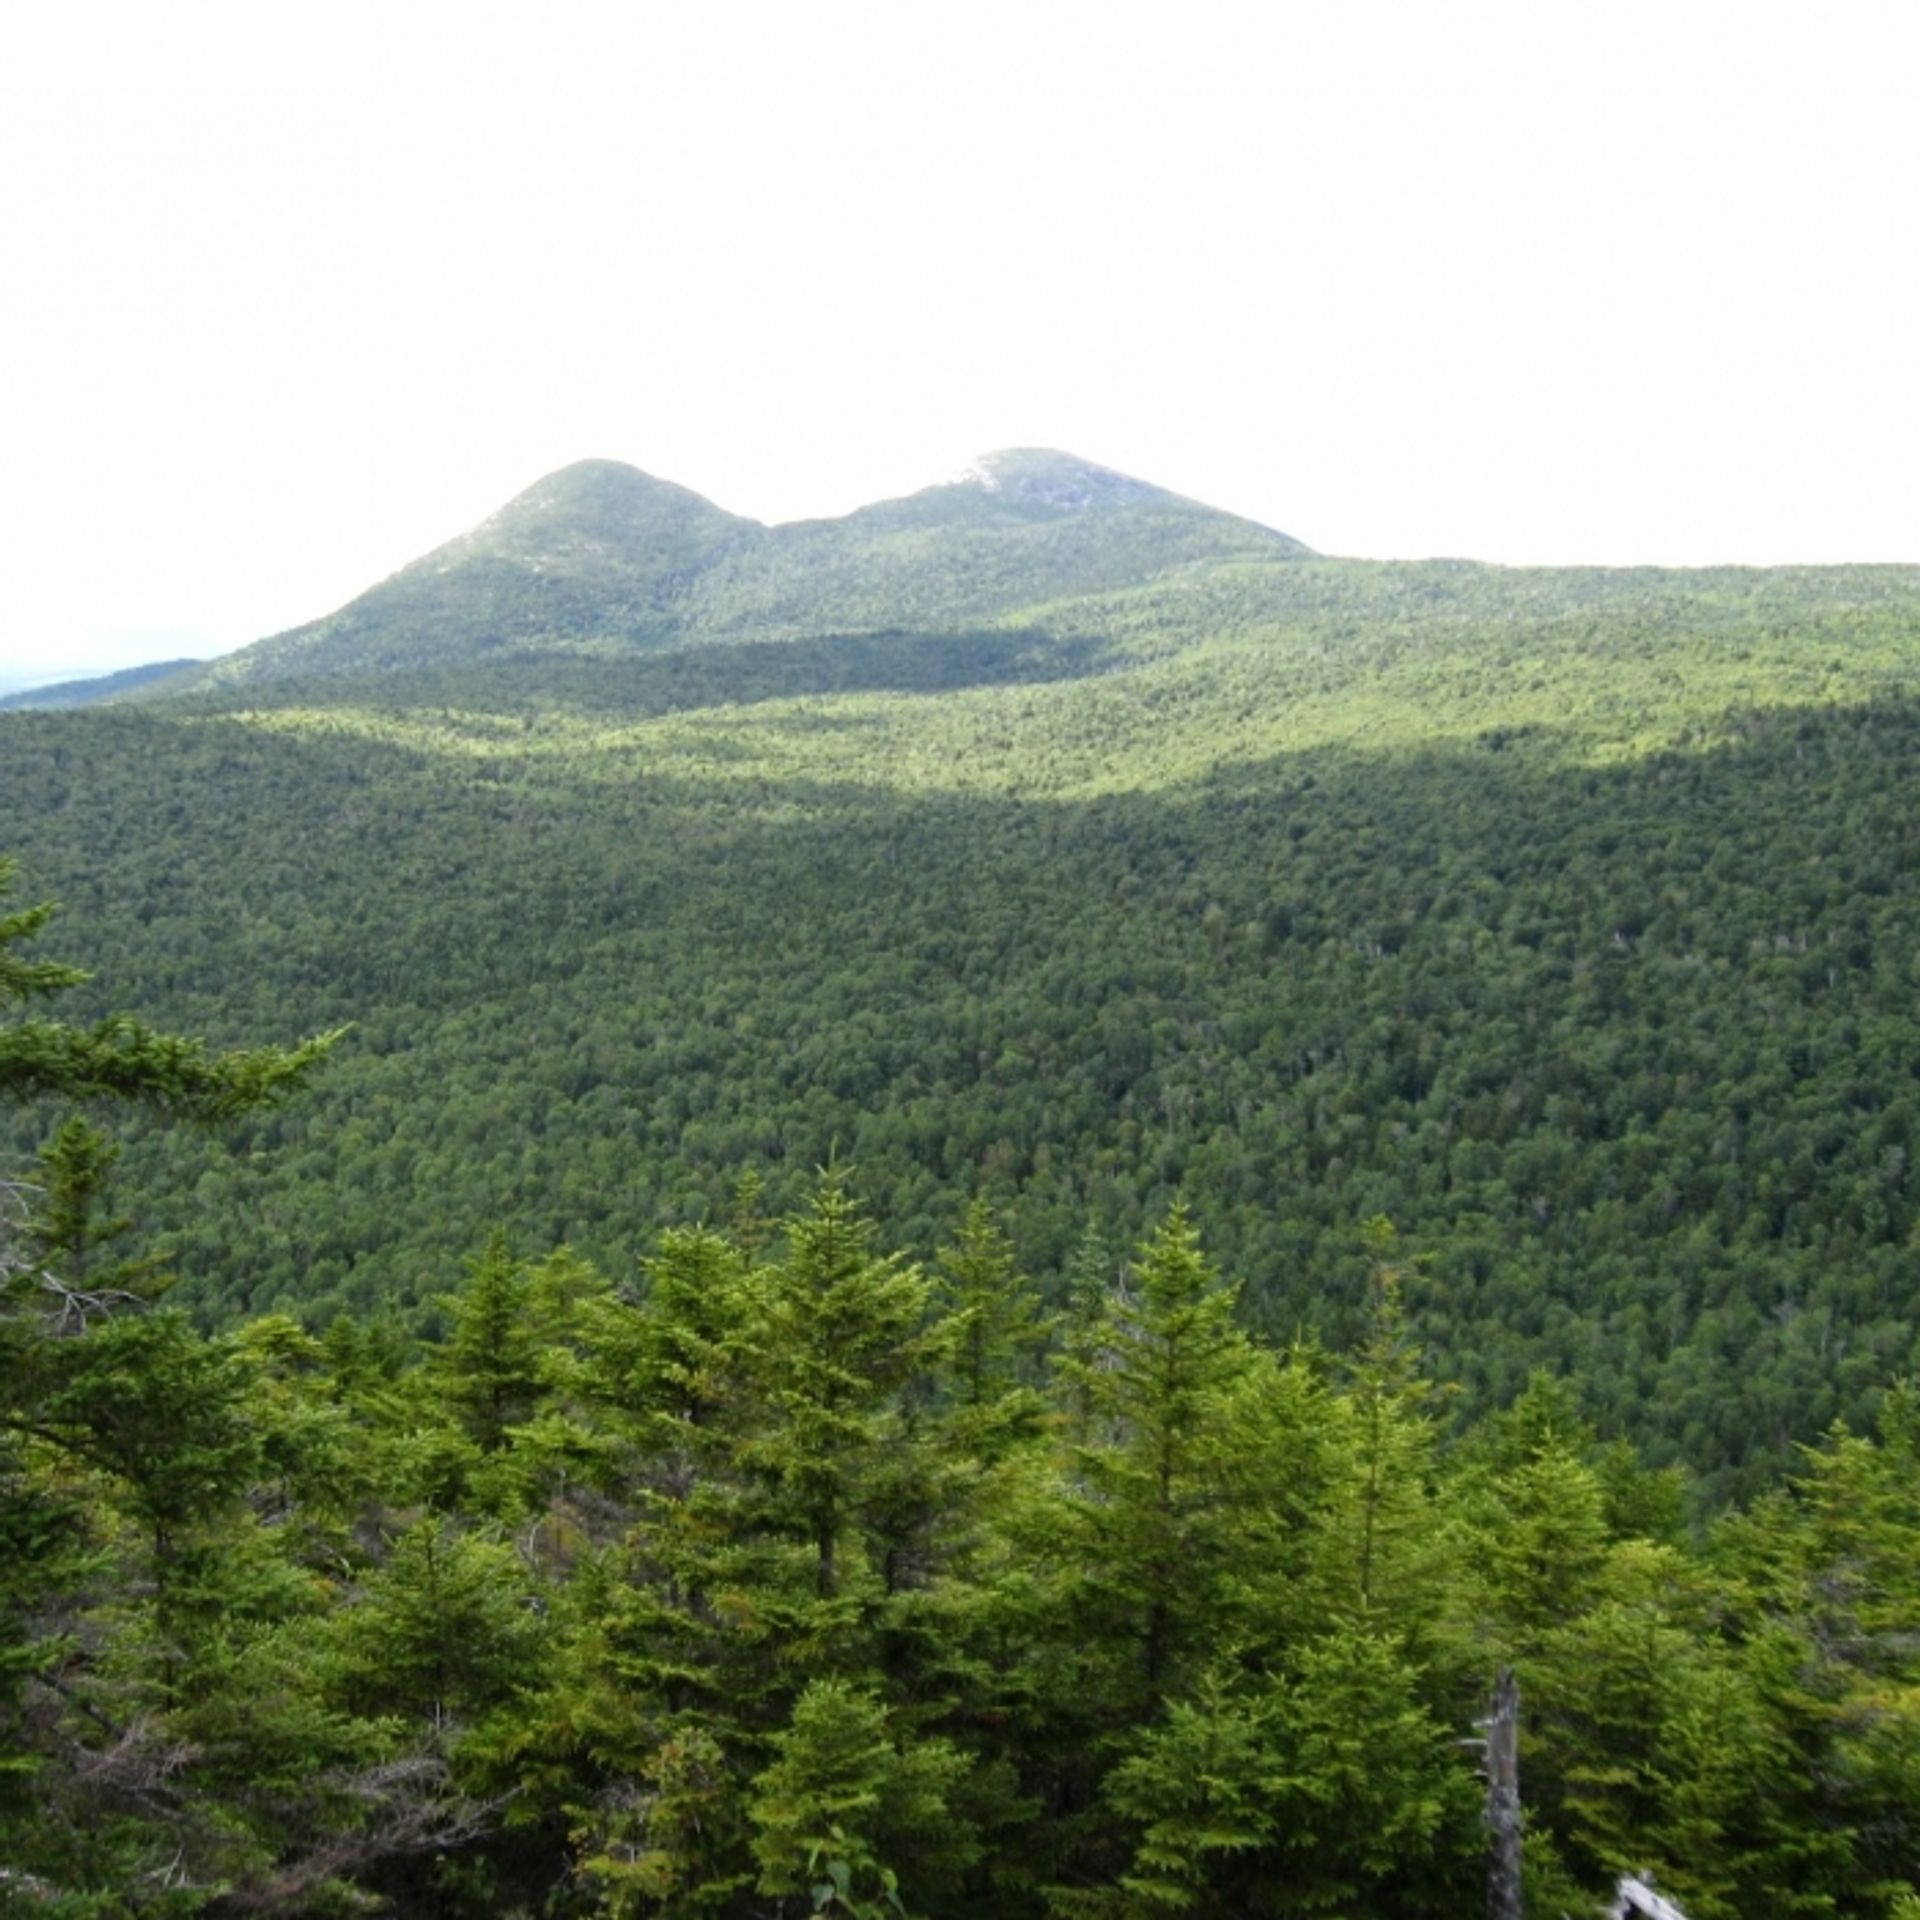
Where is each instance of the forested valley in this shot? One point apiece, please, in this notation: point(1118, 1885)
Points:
point(970, 1251)
point(1607, 1007)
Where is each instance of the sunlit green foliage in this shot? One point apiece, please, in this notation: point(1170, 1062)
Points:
point(1213, 1645)
point(1565, 918)
point(707, 1540)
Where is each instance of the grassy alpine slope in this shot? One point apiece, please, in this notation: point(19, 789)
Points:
point(1568, 918)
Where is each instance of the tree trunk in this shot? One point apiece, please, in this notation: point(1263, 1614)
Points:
point(1504, 1897)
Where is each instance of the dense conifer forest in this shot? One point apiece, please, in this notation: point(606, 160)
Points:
point(988, 1201)
point(1567, 921)
point(791, 1576)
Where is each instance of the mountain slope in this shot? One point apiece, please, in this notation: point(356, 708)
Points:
point(597, 550)
point(1566, 918)
point(1022, 529)
point(600, 557)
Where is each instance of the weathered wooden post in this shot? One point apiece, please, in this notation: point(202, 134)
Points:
point(1505, 1900)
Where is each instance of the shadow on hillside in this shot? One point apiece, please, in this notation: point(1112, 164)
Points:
point(1627, 1049)
point(629, 685)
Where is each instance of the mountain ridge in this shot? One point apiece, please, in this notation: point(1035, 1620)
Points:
point(602, 556)
point(89, 689)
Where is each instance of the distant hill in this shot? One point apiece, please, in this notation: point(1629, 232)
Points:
point(600, 557)
point(105, 686)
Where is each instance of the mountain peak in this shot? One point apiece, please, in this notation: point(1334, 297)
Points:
point(598, 555)
point(1046, 477)
point(603, 501)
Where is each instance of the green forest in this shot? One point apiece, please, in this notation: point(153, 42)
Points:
point(1568, 921)
point(966, 1212)
point(788, 1575)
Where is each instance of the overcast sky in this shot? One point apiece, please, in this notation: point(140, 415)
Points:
point(291, 292)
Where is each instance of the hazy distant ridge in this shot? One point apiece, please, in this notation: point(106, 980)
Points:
point(106, 686)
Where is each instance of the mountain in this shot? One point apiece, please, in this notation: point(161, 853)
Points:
point(1019, 532)
point(600, 557)
point(98, 687)
point(1046, 834)
point(1511, 974)
point(1566, 918)
point(596, 552)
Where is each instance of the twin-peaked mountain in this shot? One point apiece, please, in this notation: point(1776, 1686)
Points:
point(602, 557)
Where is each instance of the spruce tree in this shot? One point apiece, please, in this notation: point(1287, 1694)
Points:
point(70, 1232)
point(1168, 1487)
point(490, 1361)
point(995, 1324)
point(858, 1821)
point(1391, 1526)
point(844, 1333)
point(1322, 1785)
point(125, 1453)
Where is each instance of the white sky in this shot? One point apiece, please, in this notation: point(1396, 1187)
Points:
point(291, 292)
